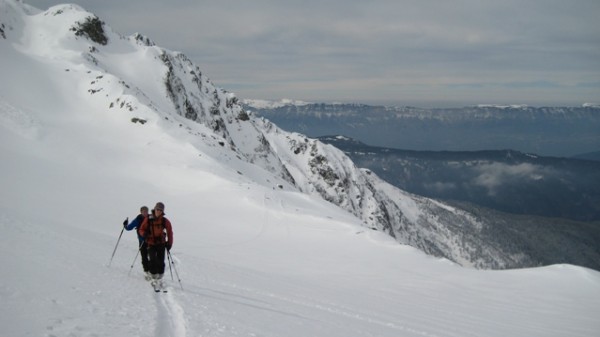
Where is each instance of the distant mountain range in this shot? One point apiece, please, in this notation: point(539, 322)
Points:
point(537, 209)
point(548, 131)
point(542, 209)
point(589, 156)
point(506, 180)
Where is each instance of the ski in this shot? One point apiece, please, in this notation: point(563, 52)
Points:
point(159, 287)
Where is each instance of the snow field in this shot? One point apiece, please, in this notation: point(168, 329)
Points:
point(254, 259)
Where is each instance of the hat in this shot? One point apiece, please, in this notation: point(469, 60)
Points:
point(160, 206)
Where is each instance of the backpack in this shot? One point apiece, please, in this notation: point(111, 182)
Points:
point(157, 232)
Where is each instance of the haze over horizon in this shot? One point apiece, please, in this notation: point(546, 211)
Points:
point(420, 53)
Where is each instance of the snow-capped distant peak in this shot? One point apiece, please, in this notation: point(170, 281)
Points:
point(267, 104)
point(499, 106)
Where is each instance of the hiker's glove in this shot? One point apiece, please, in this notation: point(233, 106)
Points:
point(125, 222)
point(168, 247)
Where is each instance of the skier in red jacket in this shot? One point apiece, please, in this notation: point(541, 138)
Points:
point(158, 235)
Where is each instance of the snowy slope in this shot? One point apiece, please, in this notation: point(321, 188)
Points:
point(131, 79)
point(306, 165)
point(254, 259)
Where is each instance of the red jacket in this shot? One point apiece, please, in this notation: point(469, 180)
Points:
point(152, 231)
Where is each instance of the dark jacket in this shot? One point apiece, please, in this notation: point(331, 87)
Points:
point(135, 224)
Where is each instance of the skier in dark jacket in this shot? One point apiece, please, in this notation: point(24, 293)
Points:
point(158, 235)
point(135, 224)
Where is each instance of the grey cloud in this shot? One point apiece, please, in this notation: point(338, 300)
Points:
point(357, 50)
point(440, 187)
point(494, 175)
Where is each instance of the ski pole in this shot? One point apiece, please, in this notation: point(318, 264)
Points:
point(176, 273)
point(170, 268)
point(117, 245)
point(135, 258)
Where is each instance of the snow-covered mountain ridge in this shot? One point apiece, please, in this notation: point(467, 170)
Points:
point(132, 79)
point(547, 131)
point(89, 133)
point(479, 111)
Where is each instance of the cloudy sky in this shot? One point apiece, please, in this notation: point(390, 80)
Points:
point(409, 52)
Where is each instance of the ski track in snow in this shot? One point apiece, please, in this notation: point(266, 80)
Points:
point(170, 320)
